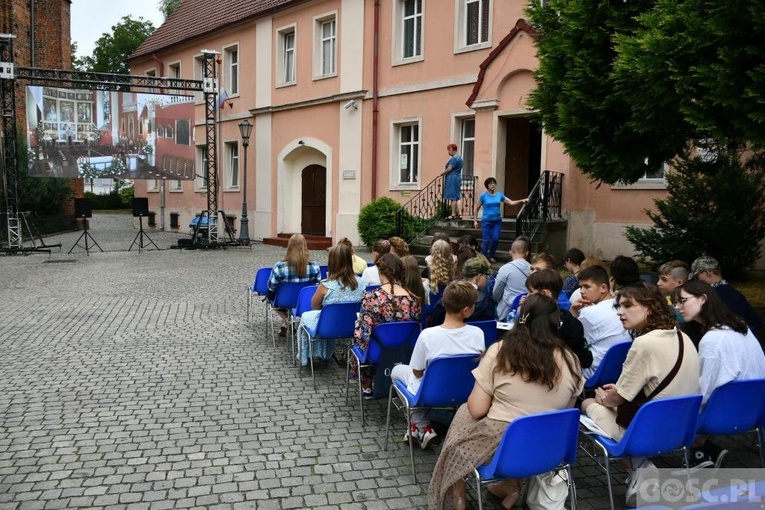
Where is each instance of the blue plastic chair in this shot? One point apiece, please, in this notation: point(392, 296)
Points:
point(447, 383)
point(610, 367)
point(337, 320)
point(286, 298)
point(489, 329)
point(533, 445)
point(371, 288)
point(303, 305)
point(514, 306)
point(258, 287)
point(563, 302)
point(676, 418)
point(735, 408)
point(386, 335)
point(324, 270)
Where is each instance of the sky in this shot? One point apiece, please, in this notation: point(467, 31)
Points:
point(91, 19)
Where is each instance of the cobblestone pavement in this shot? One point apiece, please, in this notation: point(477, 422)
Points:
point(133, 380)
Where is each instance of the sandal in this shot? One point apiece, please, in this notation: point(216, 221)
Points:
point(283, 331)
point(367, 393)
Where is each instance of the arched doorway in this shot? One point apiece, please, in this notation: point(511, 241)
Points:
point(314, 200)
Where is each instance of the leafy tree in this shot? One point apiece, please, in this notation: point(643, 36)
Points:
point(716, 206)
point(626, 86)
point(168, 6)
point(113, 49)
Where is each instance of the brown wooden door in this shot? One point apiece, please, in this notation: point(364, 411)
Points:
point(314, 214)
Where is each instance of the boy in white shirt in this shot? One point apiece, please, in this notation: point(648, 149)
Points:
point(452, 338)
point(602, 327)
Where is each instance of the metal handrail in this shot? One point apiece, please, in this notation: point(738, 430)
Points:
point(428, 206)
point(544, 204)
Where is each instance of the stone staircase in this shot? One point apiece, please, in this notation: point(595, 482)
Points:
point(314, 242)
point(550, 237)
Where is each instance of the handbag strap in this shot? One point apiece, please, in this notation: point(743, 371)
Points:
point(673, 372)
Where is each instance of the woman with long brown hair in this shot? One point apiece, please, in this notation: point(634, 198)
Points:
point(656, 347)
point(391, 302)
point(341, 286)
point(294, 268)
point(529, 371)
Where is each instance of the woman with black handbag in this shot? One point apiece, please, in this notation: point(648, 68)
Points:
point(662, 362)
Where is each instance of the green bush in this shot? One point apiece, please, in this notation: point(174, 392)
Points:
point(110, 201)
point(377, 220)
point(715, 207)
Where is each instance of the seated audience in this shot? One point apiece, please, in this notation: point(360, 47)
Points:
point(655, 350)
point(707, 270)
point(359, 264)
point(728, 351)
point(452, 338)
point(398, 247)
point(588, 262)
point(672, 275)
point(412, 280)
point(602, 326)
point(371, 275)
point(549, 283)
point(391, 302)
point(441, 267)
point(294, 268)
point(341, 286)
point(542, 260)
point(624, 272)
point(572, 259)
point(511, 277)
point(515, 378)
point(476, 271)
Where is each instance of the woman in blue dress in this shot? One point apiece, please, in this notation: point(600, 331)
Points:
point(341, 286)
point(491, 221)
point(453, 181)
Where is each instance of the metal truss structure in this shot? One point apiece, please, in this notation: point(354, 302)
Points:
point(10, 74)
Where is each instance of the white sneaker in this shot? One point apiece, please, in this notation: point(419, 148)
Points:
point(427, 434)
point(412, 432)
point(645, 478)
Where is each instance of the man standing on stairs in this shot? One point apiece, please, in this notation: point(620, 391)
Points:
point(491, 221)
point(511, 278)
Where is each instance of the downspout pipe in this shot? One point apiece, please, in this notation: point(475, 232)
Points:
point(375, 113)
point(32, 41)
point(161, 65)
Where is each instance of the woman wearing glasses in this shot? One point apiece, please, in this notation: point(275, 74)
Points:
point(656, 348)
point(728, 351)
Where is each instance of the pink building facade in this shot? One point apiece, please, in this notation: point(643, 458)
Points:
point(353, 100)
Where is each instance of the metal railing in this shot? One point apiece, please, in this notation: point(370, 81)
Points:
point(544, 204)
point(428, 206)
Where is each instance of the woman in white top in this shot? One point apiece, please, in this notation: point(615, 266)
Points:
point(371, 275)
point(728, 351)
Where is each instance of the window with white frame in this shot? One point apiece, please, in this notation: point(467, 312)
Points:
point(200, 181)
point(169, 131)
point(286, 57)
point(326, 46)
point(152, 185)
point(476, 21)
point(408, 161)
point(411, 28)
point(199, 74)
point(232, 165)
point(176, 185)
point(174, 70)
point(160, 131)
point(467, 140)
point(231, 55)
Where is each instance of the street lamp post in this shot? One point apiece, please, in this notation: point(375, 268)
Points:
point(245, 128)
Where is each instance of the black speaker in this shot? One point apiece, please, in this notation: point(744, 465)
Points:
point(82, 208)
point(140, 207)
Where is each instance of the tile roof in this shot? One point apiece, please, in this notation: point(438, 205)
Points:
point(194, 18)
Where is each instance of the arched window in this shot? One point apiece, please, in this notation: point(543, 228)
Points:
point(169, 131)
point(160, 131)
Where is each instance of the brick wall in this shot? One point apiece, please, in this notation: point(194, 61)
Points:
point(53, 49)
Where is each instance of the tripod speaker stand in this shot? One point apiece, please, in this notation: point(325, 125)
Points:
point(141, 209)
point(82, 209)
